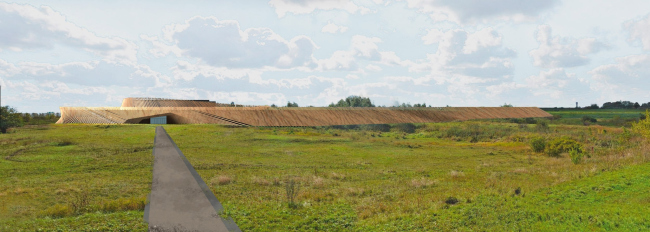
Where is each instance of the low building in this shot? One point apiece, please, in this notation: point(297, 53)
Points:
point(170, 111)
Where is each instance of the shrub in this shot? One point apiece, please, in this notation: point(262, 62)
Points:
point(473, 130)
point(376, 127)
point(588, 119)
point(292, 187)
point(124, 204)
point(576, 156)
point(542, 126)
point(561, 145)
point(643, 126)
point(406, 127)
point(451, 201)
point(58, 211)
point(538, 144)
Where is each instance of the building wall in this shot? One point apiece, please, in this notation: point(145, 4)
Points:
point(308, 116)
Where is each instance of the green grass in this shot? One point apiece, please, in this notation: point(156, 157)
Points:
point(349, 179)
point(596, 113)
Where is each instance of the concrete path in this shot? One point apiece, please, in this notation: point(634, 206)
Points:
point(180, 200)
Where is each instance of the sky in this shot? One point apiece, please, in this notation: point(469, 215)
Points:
point(542, 53)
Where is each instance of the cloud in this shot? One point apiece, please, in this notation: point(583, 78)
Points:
point(479, 54)
point(563, 52)
point(627, 79)
point(361, 47)
point(92, 73)
point(333, 28)
point(221, 43)
point(557, 84)
point(469, 11)
point(373, 68)
point(639, 31)
point(27, 27)
point(282, 7)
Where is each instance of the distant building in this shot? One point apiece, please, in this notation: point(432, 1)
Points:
point(171, 111)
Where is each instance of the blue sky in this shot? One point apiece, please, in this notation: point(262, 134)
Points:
point(441, 52)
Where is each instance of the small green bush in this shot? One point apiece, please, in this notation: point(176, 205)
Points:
point(542, 126)
point(376, 127)
point(538, 144)
point(588, 119)
point(643, 126)
point(576, 156)
point(58, 211)
point(561, 145)
point(406, 127)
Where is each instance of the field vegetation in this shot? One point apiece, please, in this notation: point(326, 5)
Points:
point(495, 175)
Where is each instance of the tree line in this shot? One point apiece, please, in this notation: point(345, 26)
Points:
point(10, 118)
point(619, 105)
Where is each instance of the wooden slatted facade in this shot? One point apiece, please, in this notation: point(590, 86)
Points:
point(186, 112)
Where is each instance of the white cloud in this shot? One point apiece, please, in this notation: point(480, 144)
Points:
point(160, 48)
point(557, 84)
point(554, 78)
point(640, 31)
point(361, 47)
point(92, 73)
point(629, 75)
point(373, 68)
point(351, 76)
point(562, 52)
point(478, 54)
point(27, 27)
point(467, 11)
point(340, 60)
point(333, 28)
point(221, 43)
point(282, 7)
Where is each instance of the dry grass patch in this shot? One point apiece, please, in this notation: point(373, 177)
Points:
point(520, 170)
point(456, 174)
point(353, 192)
point(19, 191)
point(336, 176)
point(317, 182)
point(261, 181)
point(221, 180)
point(422, 182)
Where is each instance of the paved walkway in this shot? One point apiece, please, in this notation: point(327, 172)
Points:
point(180, 200)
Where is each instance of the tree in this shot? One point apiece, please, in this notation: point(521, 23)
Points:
point(294, 104)
point(506, 105)
point(9, 118)
point(353, 101)
point(636, 105)
point(643, 126)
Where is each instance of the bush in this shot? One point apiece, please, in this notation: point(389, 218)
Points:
point(538, 144)
point(542, 126)
point(576, 156)
point(561, 145)
point(376, 127)
point(643, 126)
point(588, 119)
point(9, 118)
point(406, 127)
point(451, 200)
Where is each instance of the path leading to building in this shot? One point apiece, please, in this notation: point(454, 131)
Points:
point(180, 200)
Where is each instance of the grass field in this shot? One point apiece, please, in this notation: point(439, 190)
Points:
point(596, 113)
point(463, 176)
point(605, 117)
